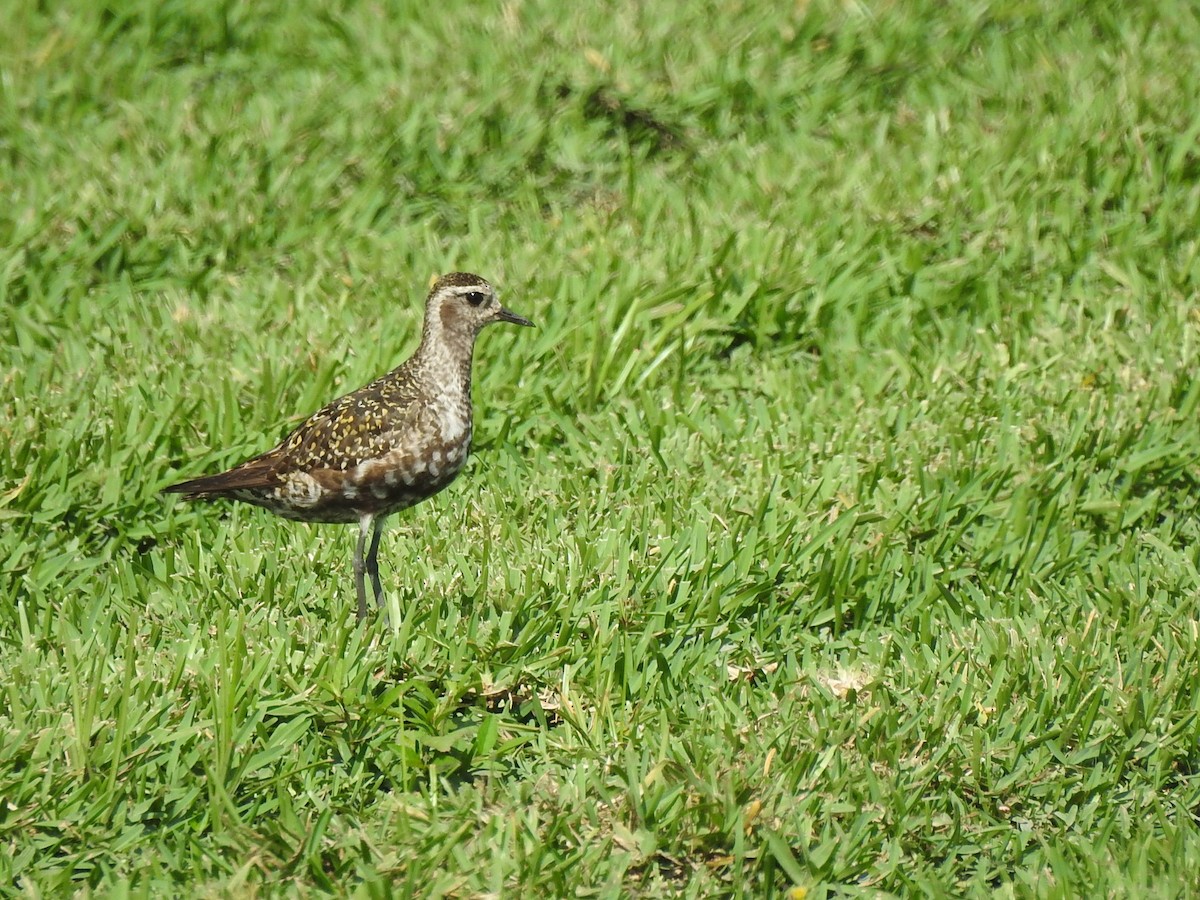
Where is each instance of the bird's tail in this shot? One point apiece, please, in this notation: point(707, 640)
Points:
point(255, 473)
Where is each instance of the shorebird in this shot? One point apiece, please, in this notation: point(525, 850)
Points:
point(383, 448)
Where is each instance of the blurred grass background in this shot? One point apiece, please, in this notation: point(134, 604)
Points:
point(835, 534)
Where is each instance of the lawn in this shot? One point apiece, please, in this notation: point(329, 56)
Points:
point(835, 534)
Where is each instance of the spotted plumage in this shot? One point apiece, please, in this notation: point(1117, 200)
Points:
point(382, 448)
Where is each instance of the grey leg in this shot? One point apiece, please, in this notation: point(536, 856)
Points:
point(373, 562)
point(364, 525)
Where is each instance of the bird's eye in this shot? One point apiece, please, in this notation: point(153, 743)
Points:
point(476, 298)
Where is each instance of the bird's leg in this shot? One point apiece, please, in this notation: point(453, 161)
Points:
point(364, 524)
point(373, 562)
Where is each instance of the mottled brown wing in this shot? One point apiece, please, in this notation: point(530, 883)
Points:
point(359, 426)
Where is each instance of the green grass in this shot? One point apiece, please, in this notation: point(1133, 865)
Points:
point(838, 530)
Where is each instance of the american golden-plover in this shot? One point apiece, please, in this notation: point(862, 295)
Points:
point(384, 447)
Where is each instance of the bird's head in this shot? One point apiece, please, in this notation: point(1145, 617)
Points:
point(460, 305)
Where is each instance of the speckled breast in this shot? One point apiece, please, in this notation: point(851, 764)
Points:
point(418, 466)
